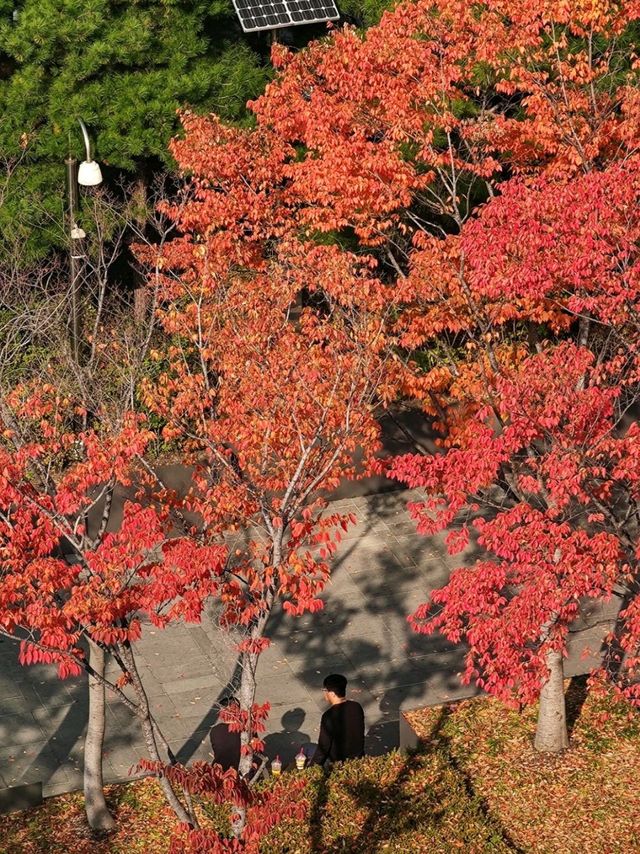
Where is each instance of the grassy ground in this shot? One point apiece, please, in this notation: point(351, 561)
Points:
point(475, 785)
point(586, 800)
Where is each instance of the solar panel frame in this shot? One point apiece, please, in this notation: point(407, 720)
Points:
point(256, 15)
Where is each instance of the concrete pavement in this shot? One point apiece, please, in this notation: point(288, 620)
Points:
point(382, 572)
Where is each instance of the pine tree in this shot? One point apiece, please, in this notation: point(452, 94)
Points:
point(124, 67)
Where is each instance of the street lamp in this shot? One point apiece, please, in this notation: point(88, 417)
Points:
point(88, 174)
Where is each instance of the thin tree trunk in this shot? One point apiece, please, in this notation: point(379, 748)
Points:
point(245, 695)
point(140, 304)
point(247, 690)
point(551, 732)
point(170, 795)
point(98, 814)
point(172, 761)
point(141, 293)
point(146, 722)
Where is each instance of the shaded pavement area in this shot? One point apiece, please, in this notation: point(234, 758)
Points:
point(383, 570)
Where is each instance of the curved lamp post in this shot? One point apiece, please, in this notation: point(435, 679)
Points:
point(88, 174)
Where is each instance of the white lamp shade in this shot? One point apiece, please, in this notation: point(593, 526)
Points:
point(89, 174)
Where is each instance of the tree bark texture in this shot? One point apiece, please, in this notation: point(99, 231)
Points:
point(246, 695)
point(551, 732)
point(98, 814)
point(146, 723)
point(247, 690)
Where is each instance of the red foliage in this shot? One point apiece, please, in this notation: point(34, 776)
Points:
point(528, 312)
point(51, 477)
point(537, 432)
point(264, 810)
point(338, 230)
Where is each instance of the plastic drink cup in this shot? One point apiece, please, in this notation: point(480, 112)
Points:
point(276, 767)
point(301, 760)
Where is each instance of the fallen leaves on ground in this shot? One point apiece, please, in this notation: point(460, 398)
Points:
point(475, 785)
point(583, 800)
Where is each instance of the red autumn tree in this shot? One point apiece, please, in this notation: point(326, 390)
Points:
point(67, 585)
point(350, 196)
point(420, 118)
point(274, 361)
point(398, 136)
point(75, 583)
point(544, 287)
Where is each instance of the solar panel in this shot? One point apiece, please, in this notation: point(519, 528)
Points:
point(271, 14)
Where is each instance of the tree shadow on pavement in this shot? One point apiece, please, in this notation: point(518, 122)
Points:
point(382, 572)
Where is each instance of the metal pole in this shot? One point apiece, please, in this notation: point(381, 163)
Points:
point(72, 189)
point(85, 136)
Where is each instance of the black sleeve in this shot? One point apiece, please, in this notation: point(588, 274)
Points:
point(225, 746)
point(323, 749)
point(360, 740)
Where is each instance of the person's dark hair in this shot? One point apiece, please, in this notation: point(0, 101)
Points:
point(337, 683)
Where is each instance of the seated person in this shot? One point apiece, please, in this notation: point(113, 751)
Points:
point(225, 744)
point(342, 725)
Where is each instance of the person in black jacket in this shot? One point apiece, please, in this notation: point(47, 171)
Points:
point(225, 744)
point(342, 725)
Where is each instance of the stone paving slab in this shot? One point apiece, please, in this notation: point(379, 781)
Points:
point(382, 571)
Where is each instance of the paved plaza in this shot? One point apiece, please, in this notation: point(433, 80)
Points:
point(382, 572)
